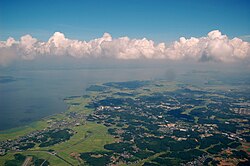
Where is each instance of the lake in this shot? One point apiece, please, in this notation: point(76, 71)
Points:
point(27, 96)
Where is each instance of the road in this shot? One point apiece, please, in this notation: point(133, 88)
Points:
point(56, 155)
point(27, 161)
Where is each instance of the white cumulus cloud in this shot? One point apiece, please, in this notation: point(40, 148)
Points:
point(213, 47)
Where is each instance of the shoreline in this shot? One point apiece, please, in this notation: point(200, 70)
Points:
point(32, 126)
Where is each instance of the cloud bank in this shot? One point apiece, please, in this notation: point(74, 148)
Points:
point(213, 47)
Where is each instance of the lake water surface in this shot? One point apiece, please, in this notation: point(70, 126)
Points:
point(27, 96)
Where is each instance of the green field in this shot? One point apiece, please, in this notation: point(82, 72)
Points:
point(90, 137)
point(20, 131)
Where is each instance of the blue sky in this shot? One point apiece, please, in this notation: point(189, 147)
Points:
point(154, 19)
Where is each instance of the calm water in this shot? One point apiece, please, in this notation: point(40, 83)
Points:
point(26, 96)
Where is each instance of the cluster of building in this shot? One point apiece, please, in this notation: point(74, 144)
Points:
point(72, 119)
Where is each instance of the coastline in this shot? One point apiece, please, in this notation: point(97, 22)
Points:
point(15, 132)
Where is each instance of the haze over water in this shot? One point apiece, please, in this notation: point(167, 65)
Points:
point(28, 95)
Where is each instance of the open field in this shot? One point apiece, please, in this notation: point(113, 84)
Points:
point(20, 131)
point(90, 137)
